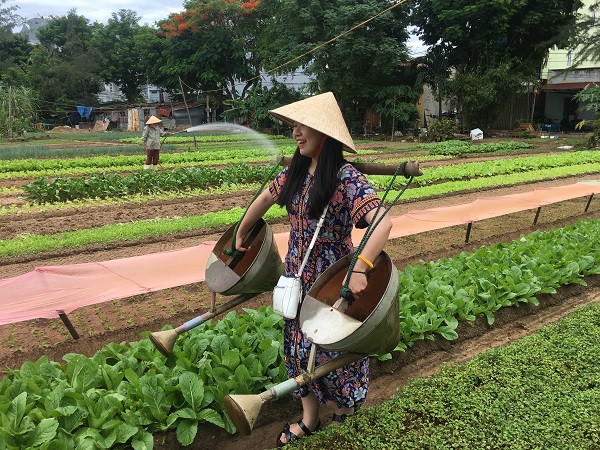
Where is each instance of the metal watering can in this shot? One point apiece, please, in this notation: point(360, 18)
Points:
point(258, 270)
point(244, 274)
point(371, 325)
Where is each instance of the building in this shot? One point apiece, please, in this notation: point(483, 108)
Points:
point(151, 94)
point(31, 27)
point(562, 79)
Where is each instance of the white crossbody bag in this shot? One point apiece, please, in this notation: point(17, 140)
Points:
point(288, 292)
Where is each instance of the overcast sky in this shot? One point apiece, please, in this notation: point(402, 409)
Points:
point(150, 11)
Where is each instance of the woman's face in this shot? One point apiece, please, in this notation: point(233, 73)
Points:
point(307, 139)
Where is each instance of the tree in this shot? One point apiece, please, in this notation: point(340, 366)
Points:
point(397, 103)
point(485, 40)
point(434, 70)
point(17, 110)
point(14, 54)
point(356, 65)
point(211, 46)
point(587, 35)
point(64, 69)
point(482, 33)
point(67, 36)
point(120, 42)
point(62, 82)
point(253, 109)
point(13, 47)
point(8, 20)
point(482, 94)
point(590, 97)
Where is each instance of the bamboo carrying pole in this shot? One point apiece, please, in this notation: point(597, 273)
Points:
point(411, 168)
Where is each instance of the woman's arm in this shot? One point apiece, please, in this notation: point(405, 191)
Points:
point(255, 211)
point(144, 137)
point(372, 249)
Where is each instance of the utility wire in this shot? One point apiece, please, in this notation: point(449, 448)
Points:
point(318, 46)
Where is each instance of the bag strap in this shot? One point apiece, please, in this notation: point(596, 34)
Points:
point(312, 242)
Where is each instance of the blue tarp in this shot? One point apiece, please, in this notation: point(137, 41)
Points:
point(84, 111)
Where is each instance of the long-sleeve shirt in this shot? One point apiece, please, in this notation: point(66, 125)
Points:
point(151, 137)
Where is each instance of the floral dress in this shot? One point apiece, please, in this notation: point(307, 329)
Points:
point(353, 198)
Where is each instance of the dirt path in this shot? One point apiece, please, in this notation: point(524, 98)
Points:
point(56, 221)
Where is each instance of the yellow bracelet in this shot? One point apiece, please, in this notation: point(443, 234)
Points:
point(366, 261)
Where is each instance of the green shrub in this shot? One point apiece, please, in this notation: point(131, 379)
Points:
point(441, 130)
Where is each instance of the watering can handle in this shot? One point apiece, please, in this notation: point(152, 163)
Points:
point(237, 255)
point(346, 293)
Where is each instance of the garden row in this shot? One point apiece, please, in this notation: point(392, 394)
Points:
point(131, 231)
point(214, 155)
point(104, 185)
point(539, 392)
point(125, 393)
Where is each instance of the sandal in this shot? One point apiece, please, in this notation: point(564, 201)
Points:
point(340, 418)
point(291, 437)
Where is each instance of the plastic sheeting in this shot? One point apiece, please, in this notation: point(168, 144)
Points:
point(50, 290)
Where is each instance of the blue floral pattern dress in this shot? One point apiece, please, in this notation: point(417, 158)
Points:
point(354, 197)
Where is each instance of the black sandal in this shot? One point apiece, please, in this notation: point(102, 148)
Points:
point(340, 418)
point(291, 437)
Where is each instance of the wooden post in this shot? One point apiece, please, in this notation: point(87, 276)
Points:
point(469, 226)
point(588, 203)
point(68, 324)
point(9, 131)
point(537, 215)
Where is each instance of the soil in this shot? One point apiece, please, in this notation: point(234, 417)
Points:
point(124, 320)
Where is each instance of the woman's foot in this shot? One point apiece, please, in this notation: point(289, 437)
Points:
point(340, 416)
point(295, 431)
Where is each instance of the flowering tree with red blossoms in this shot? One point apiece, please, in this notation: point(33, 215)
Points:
point(211, 46)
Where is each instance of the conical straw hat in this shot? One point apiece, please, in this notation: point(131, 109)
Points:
point(153, 119)
point(321, 113)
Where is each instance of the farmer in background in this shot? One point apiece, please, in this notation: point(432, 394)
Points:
point(151, 141)
point(319, 177)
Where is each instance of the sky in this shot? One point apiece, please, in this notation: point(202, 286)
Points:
point(149, 10)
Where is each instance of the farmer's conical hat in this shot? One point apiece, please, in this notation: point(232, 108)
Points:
point(153, 119)
point(321, 113)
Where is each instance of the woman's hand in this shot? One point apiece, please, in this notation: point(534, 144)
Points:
point(358, 283)
point(239, 240)
point(254, 212)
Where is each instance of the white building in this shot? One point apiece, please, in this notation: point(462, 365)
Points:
point(31, 27)
point(151, 93)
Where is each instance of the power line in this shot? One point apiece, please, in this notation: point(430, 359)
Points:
point(318, 46)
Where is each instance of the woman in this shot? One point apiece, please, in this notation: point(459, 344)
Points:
point(151, 141)
point(318, 175)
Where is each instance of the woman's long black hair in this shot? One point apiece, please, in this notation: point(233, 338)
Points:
point(325, 177)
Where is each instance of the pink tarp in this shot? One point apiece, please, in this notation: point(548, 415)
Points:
point(46, 291)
